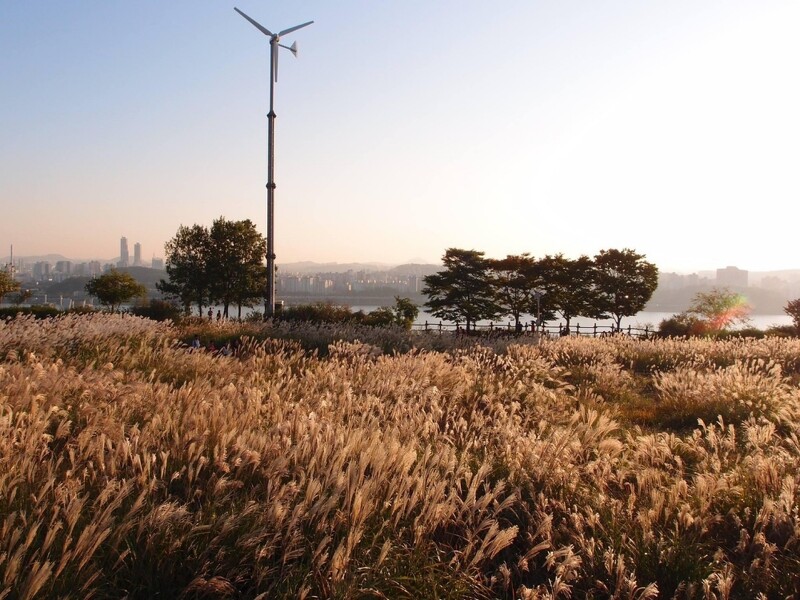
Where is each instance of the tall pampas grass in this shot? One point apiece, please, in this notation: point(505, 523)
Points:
point(391, 465)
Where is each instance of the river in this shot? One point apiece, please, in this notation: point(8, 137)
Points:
point(640, 320)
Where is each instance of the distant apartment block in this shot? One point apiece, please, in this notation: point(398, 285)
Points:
point(321, 284)
point(93, 268)
point(157, 263)
point(86, 269)
point(63, 270)
point(41, 271)
point(732, 277)
point(64, 267)
point(137, 255)
point(671, 281)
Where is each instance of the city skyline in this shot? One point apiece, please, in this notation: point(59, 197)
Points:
point(669, 129)
point(728, 274)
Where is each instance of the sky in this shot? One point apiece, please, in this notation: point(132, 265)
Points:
point(405, 128)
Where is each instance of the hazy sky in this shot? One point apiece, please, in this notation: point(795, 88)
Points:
point(407, 127)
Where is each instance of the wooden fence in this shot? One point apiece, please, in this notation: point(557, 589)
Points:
point(594, 330)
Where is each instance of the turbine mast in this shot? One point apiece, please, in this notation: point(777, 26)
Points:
point(274, 47)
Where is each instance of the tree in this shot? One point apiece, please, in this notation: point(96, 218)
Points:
point(186, 265)
point(114, 288)
point(463, 290)
point(512, 281)
point(568, 287)
point(624, 283)
point(22, 296)
point(7, 283)
point(235, 263)
point(793, 310)
point(719, 309)
point(405, 312)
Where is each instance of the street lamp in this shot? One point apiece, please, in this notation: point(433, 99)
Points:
point(538, 295)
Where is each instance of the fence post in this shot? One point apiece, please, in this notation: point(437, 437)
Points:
point(440, 325)
point(629, 330)
point(595, 329)
point(577, 328)
point(426, 325)
point(491, 326)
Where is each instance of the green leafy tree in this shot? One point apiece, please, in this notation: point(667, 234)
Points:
point(719, 309)
point(793, 310)
point(512, 278)
point(624, 283)
point(187, 257)
point(7, 283)
point(114, 288)
point(463, 290)
point(235, 263)
point(405, 312)
point(568, 287)
point(383, 316)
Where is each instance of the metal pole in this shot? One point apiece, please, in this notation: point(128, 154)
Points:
point(269, 300)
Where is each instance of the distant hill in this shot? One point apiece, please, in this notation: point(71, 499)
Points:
point(51, 258)
point(145, 276)
point(420, 270)
point(69, 286)
point(789, 275)
point(148, 277)
point(307, 267)
point(762, 302)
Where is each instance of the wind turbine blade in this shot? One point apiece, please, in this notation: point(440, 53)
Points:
point(256, 24)
point(295, 28)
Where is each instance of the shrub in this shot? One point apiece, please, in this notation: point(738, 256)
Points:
point(320, 312)
point(681, 325)
point(783, 331)
point(158, 310)
point(38, 311)
point(81, 310)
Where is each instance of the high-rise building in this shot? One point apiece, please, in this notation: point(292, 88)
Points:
point(157, 263)
point(137, 255)
point(124, 257)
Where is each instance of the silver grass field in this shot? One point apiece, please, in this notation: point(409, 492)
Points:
point(343, 462)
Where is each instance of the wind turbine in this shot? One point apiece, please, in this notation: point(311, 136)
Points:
point(274, 44)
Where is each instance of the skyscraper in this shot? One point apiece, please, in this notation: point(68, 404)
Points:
point(137, 255)
point(124, 257)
